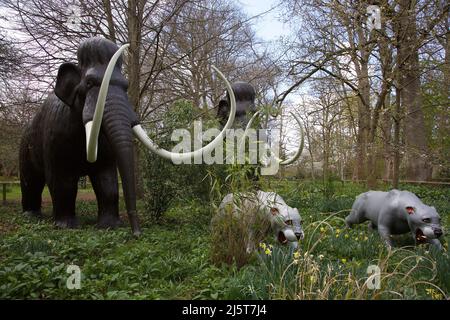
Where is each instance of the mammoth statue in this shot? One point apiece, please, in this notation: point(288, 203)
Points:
point(245, 104)
point(246, 114)
point(85, 127)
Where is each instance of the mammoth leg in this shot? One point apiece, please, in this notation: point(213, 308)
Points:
point(32, 184)
point(64, 193)
point(106, 189)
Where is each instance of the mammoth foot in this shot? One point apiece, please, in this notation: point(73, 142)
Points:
point(66, 222)
point(33, 214)
point(109, 222)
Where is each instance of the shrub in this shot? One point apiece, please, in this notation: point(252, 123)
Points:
point(235, 236)
point(164, 181)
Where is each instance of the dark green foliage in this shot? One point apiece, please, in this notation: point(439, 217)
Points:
point(166, 182)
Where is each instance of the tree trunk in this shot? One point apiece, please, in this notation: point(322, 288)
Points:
point(443, 117)
point(135, 12)
point(386, 128)
point(397, 117)
point(416, 152)
point(311, 156)
point(363, 122)
point(109, 18)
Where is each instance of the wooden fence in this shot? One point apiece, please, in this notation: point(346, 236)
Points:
point(4, 185)
point(85, 184)
point(437, 183)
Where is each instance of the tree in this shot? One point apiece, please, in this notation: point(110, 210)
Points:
point(334, 41)
point(416, 155)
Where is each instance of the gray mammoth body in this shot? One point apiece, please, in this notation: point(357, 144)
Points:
point(397, 212)
point(86, 127)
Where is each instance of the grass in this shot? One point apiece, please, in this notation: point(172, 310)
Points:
point(169, 261)
point(13, 193)
point(172, 259)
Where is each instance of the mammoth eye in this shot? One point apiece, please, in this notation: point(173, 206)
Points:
point(274, 211)
point(89, 83)
point(289, 222)
point(426, 220)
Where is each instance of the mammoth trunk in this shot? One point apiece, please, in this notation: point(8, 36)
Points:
point(116, 124)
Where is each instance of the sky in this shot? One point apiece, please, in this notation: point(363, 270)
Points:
point(267, 27)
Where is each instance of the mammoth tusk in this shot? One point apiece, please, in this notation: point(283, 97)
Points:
point(298, 152)
point(249, 124)
point(89, 151)
point(179, 157)
point(93, 127)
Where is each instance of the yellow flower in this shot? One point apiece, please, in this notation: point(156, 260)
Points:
point(435, 295)
point(337, 236)
point(322, 229)
point(312, 278)
point(366, 238)
point(346, 236)
point(338, 230)
point(344, 260)
point(296, 255)
point(262, 245)
point(295, 261)
point(268, 251)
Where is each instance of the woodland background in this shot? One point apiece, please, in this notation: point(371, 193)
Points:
point(374, 103)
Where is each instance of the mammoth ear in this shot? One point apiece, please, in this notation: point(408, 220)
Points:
point(68, 78)
point(223, 110)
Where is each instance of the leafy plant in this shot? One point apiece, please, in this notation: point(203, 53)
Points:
point(165, 181)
